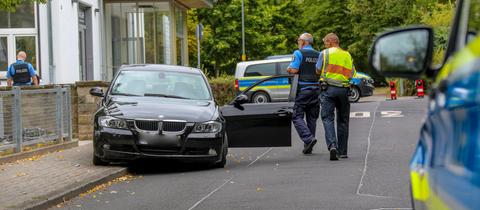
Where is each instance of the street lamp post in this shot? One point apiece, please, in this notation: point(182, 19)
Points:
point(199, 36)
point(244, 56)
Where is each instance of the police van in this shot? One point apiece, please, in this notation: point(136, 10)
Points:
point(250, 72)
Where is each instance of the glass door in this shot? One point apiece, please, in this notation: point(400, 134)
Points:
point(3, 53)
point(27, 44)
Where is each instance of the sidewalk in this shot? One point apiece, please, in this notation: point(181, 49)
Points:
point(43, 181)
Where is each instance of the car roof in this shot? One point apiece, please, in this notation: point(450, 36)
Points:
point(248, 63)
point(279, 56)
point(160, 67)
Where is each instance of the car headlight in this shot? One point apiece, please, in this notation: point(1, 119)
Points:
point(112, 122)
point(207, 127)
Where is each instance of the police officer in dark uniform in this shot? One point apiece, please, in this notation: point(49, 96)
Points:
point(21, 73)
point(306, 101)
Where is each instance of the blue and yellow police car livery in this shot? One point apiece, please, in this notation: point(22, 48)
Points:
point(250, 72)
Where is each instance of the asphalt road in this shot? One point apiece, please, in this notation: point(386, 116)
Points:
point(383, 135)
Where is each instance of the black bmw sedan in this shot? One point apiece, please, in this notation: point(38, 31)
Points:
point(164, 111)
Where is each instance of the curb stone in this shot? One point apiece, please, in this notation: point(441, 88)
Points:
point(68, 193)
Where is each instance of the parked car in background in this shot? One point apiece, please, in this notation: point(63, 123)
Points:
point(247, 73)
point(445, 167)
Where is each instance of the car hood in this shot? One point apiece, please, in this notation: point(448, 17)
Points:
point(363, 75)
point(160, 108)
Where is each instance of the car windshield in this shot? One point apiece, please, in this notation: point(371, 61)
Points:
point(165, 84)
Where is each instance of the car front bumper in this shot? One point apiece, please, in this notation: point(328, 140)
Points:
point(366, 89)
point(117, 144)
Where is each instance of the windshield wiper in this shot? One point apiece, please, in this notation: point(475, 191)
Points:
point(164, 95)
point(124, 94)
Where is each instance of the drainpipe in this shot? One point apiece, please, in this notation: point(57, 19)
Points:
point(39, 40)
point(51, 72)
point(103, 63)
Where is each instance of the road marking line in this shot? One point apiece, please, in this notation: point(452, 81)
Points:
point(366, 156)
point(258, 157)
point(219, 187)
point(392, 209)
point(391, 114)
point(210, 194)
point(374, 196)
point(359, 114)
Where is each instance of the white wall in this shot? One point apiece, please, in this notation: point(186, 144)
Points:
point(65, 40)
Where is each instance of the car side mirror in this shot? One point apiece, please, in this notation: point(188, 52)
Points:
point(403, 53)
point(96, 91)
point(241, 99)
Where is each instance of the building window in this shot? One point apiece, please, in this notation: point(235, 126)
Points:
point(140, 33)
point(3, 54)
point(181, 35)
point(19, 34)
point(23, 17)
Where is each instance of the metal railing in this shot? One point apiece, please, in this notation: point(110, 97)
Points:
point(30, 117)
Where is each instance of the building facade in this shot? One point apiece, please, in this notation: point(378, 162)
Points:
point(75, 40)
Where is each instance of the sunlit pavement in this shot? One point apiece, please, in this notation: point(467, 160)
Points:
point(383, 135)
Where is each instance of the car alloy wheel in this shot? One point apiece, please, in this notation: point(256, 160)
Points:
point(354, 95)
point(260, 97)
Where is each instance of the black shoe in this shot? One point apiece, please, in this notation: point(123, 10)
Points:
point(309, 147)
point(333, 154)
point(343, 156)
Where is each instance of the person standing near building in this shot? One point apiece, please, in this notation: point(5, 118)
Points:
point(306, 101)
point(336, 69)
point(21, 73)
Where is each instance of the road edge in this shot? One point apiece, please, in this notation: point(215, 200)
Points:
point(69, 193)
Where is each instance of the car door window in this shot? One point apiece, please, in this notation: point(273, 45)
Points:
point(282, 68)
point(473, 21)
point(267, 69)
point(270, 91)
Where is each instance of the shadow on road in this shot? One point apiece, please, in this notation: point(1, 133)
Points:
point(146, 167)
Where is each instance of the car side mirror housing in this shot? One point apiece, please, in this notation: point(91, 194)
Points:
point(241, 99)
point(403, 53)
point(96, 91)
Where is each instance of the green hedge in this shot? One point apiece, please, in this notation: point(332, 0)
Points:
point(223, 88)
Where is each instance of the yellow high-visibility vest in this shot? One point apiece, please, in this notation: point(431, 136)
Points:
point(337, 68)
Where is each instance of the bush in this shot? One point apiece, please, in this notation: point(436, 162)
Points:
point(223, 88)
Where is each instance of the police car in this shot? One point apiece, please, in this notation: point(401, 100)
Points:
point(445, 168)
point(247, 73)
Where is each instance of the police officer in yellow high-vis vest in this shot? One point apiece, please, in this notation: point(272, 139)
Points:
point(336, 69)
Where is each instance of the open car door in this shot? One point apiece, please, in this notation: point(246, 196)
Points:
point(261, 124)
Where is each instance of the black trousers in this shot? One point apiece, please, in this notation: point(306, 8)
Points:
point(306, 106)
point(335, 100)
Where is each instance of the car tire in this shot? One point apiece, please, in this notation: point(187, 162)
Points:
point(97, 161)
point(354, 95)
point(223, 157)
point(260, 97)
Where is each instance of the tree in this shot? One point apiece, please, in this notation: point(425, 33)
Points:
point(11, 5)
point(273, 25)
point(270, 29)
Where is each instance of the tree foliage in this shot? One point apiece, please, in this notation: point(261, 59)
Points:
point(272, 26)
point(11, 5)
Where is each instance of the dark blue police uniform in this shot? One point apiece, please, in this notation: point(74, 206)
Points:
point(307, 100)
point(21, 73)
